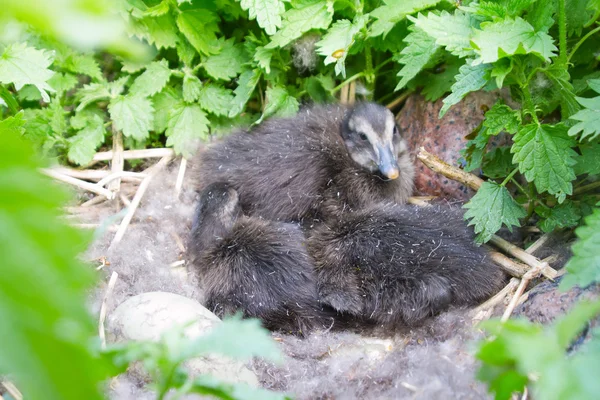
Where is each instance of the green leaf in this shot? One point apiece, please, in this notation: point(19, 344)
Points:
point(263, 57)
point(507, 37)
point(497, 163)
point(541, 17)
point(83, 145)
point(491, 207)
point(62, 83)
point(215, 99)
point(267, 13)
point(82, 64)
point(501, 69)
point(187, 125)
point(156, 11)
point(279, 103)
point(561, 80)
point(337, 42)
point(584, 266)
point(58, 122)
point(469, 79)
point(246, 84)
point(91, 93)
point(45, 330)
point(394, 11)
point(565, 215)
point(132, 115)
point(185, 51)
point(164, 102)
point(501, 117)
point(153, 80)
point(436, 85)
point(546, 158)
point(159, 31)
point(228, 63)
point(474, 149)
point(23, 65)
point(452, 31)
point(200, 28)
point(304, 16)
point(578, 16)
point(589, 161)
point(589, 117)
point(419, 50)
point(191, 88)
point(13, 125)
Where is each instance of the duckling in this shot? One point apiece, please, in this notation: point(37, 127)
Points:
point(325, 161)
point(396, 265)
point(258, 267)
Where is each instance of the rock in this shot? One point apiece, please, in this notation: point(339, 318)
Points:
point(444, 137)
point(148, 315)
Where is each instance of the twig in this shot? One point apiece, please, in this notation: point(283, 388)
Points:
point(109, 289)
point(93, 201)
point(449, 171)
point(587, 188)
point(118, 175)
point(532, 273)
point(86, 174)
point(344, 93)
point(118, 162)
point(399, 100)
point(484, 310)
point(110, 228)
point(91, 187)
point(125, 200)
point(180, 176)
point(12, 390)
point(352, 92)
point(509, 266)
point(538, 244)
point(135, 154)
point(136, 200)
point(527, 258)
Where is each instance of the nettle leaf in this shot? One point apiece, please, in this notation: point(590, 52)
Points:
point(337, 42)
point(497, 163)
point(163, 103)
point(215, 99)
point(187, 125)
point(507, 37)
point(13, 125)
point(469, 79)
point(419, 50)
point(589, 117)
point(279, 103)
point(541, 17)
point(83, 145)
point(546, 158)
point(560, 79)
point(191, 88)
point(436, 85)
point(263, 57)
point(394, 11)
point(56, 112)
point(228, 63)
point(133, 115)
point(62, 83)
point(578, 16)
point(84, 64)
point(452, 31)
point(501, 69)
point(304, 16)
point(200, 28)
point(501, 117)
point(23, 65)
point(153, 80)
point(491, 207)
point(246, 84)
point(584, 266)
point(472, 153)
point(267, 13)
point(565, 215)
point(589, 161)
point(100, 91)
point(159, 31)
point(185, 51)
point(156, 11)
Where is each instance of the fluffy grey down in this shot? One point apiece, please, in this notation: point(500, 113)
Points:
point(431, 362)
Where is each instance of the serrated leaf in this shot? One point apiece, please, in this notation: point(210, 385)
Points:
point(501, 117)
point(589, 161)
point(263, 58)
point(57, 114)
point(589, 118)
point(62, 83)
point(23, 65)
point(565, 215)
point(452, 31)
point(159, 31)
point(191, 88)
point(419, 50)
point(500, 70)
point(82, 64)
point(83, 145)
point(394, 11)
point(91, 93)
point(200, 28)
point(546, 158)
point(13, 125)
point(469, 79)
point(541, 17)
point(491, 207)
point(474, 149)
point(578, 16)
point(279, 103)
point(304, 16)
point(163, 103)
point(560, 78)
point(185, 51)
point(215, 99)
point(187, 125)
point(246, 84)
point(152, 80)
point(497, 163)
point(336, 43)
point(132, 115)
point(507, 37)
point(228, 63)
point(267, 13)
point(156, 11)
point(584, 266)
point(436, 85)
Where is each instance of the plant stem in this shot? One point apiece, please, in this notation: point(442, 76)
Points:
point(521, 189)
point(562, 33)
point(529, 104)
point(347, 81)
point(509, 177)
point(583, 39)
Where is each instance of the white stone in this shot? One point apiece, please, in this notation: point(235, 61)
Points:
point(148, 315)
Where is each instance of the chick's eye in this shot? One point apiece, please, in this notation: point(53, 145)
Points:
point(363, 136)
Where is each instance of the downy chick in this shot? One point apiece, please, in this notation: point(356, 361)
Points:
point(396, 265)
point(258, 267)
point(325, 161)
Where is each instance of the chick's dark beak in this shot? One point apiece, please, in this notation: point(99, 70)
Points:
point(387, 162)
